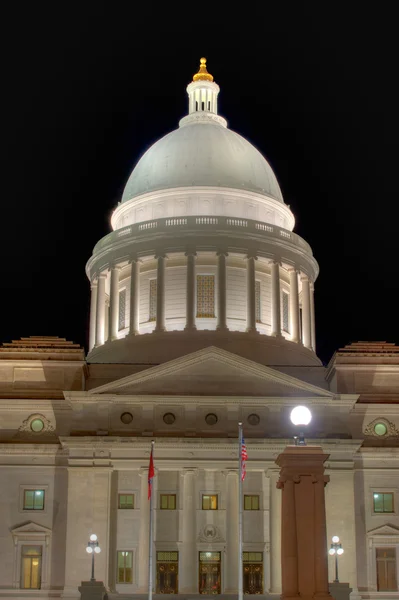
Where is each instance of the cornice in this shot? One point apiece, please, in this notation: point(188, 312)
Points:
point(377, 409)
point(23, 449)
point(34, 405)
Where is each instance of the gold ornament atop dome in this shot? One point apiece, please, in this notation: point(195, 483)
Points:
point(203, 74)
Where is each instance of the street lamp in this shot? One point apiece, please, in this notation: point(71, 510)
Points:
point(300, 415)
point(336, 549)
point(93, 548)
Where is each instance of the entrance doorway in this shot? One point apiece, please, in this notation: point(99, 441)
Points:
point(252, 572)
point(209, 573)
point(167, 572)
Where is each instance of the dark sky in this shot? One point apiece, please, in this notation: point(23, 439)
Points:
point(89, 86)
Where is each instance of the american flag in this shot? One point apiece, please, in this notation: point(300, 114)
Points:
point(244, 458)
point(151, 474)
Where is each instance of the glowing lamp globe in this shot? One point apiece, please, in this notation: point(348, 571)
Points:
point(97, 549)
point(335, 539)
point(300, 415)
point(93, 537)
point(340, 551)
point(331, 551)
point(89, 550)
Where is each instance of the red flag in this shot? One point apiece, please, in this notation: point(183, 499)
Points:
point(244, 458)
point(151, 474)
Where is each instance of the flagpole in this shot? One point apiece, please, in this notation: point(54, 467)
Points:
point(240, 582)
point(150, 537)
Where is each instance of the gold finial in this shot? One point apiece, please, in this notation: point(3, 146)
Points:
point(203, 74)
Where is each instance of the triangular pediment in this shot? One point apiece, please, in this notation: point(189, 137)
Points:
point(212, 371)
point(389, 530)
point(30, 527)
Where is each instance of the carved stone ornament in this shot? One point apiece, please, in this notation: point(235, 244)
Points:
point(372, 430)
point(210, 533)
point(26, 426)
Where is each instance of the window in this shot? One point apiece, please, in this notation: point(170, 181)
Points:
point(126, 501)
point(125, 567)
point(122, 309)
point(31, 567)
point(383, 502)
point(257, 302)
point(209, 502)
point(286, 312)
point(386, 570)
point(168, 502)
point(33, 499)
point(153, 300)
point(205, 296)
point(251, 502)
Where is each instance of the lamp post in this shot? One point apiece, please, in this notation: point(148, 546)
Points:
point(93, 548)
point(300, 415)
point(336, 550)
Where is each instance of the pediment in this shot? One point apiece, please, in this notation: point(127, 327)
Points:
point(212, 371)
point(386, 530)
point(31, 527)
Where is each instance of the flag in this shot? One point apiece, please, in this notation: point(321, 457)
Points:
point(151, 474)
point(244, 458)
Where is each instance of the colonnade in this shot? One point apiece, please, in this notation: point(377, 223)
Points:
point(302, 330)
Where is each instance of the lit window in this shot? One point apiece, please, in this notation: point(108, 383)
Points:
point(126, 501)
point(286, 312)
point(257, 302)
point(122, 309)
point(33, 499)
point(209, 502)
point(168, 502)
point(386, 570)
point(125, 566)
point(383, 502)
point(31, 567)
point(251, 502)
point(153, 300)
point(205, 296)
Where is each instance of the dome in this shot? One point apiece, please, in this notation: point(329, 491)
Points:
point(202, 154)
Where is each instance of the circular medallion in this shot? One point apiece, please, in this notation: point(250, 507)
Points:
point(37, 425)
point(169, 418)
point(211, 419)
point(126, 418)
point(380, 429)
point(253, 419)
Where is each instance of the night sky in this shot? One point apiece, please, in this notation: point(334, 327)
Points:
point(89, 86)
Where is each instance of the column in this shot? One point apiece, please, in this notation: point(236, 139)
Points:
point(321, 556)
point(276, 310)
point(144, 527)
point(100, 312)
point(188, 579)
point(275, 533)
point(294, 306)
point(93, 308)
point(134, 325)
point(190, 291)
point(289, 544)
point(113, 324)
point(160, 320)
point(251, 294)
point(221, 287)
point(306, 312)
point(231, 564)
point(312, 318)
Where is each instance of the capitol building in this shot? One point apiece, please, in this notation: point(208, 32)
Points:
point(201, 316)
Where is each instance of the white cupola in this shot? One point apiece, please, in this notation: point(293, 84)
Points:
point(203, 91)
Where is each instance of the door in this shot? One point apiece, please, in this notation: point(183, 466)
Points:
point(31, 567)
point(209, 573)
point(167, 572)
point(252, 572)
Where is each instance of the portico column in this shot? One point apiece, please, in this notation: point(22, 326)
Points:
point(275, 532)
point(114, 304)
point(160, 318)
point(188, 573)
point(100, 312)
point(134, 297)
point(276, 311)
point(312, 318)
point(190, 291)
point(321, 563)
point(231, 581)
point(251, 295)
point(306, 312)
point(221, 316)
point(144, 525)
point(93, 308)
point(289, 544)
point(294, 306)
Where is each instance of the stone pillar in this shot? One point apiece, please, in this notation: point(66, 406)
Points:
point(188, 572)
point(231, 577)
point(190, 291)
point(275, 533)
point(144, 525)
point(221, 287)
point(134, 324)
point(294, 307)
point(100, 312)
point(93, 308)
point(303, 533)
point(312, 318)
point(276, 310)
point(306, 329)
point(160, 319)
point(114, 304)
point(251, 294)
